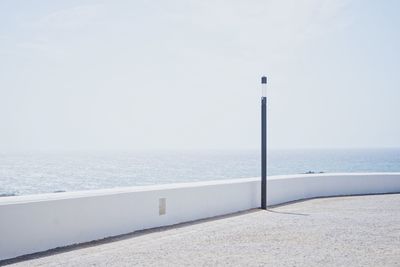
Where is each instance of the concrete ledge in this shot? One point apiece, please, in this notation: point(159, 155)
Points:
point(30, 224)
point(288, 188)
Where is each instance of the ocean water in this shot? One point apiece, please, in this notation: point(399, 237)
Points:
point(33, 173)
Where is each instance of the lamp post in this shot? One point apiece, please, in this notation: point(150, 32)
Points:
point(264, 142)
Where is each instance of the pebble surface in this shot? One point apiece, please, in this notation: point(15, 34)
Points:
point(340, 231)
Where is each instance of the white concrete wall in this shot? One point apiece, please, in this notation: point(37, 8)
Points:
point(287, 188)
point(36, 223)
point(40, 222)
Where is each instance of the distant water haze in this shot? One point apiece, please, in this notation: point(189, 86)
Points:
point(32, 173)
point(186, 74)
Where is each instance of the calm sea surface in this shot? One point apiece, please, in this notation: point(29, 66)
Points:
point(32, 173)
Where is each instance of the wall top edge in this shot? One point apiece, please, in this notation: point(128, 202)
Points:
point(117, 190)
point(124, 190)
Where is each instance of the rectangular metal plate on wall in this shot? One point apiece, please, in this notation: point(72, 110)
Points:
point(162, 206)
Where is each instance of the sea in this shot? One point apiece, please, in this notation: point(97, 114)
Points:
point(25, 173)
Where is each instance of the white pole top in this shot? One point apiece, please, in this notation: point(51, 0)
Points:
point(264, 86)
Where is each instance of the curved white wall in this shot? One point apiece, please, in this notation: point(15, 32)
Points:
point(287, 188)
point(36, 223)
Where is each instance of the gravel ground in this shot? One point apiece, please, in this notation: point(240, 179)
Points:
point(342, 231)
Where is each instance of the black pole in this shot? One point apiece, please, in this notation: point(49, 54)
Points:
point(263, 145)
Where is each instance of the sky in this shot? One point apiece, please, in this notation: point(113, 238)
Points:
point(94, 75)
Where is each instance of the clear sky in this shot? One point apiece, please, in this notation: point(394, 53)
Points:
point(186, 74)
